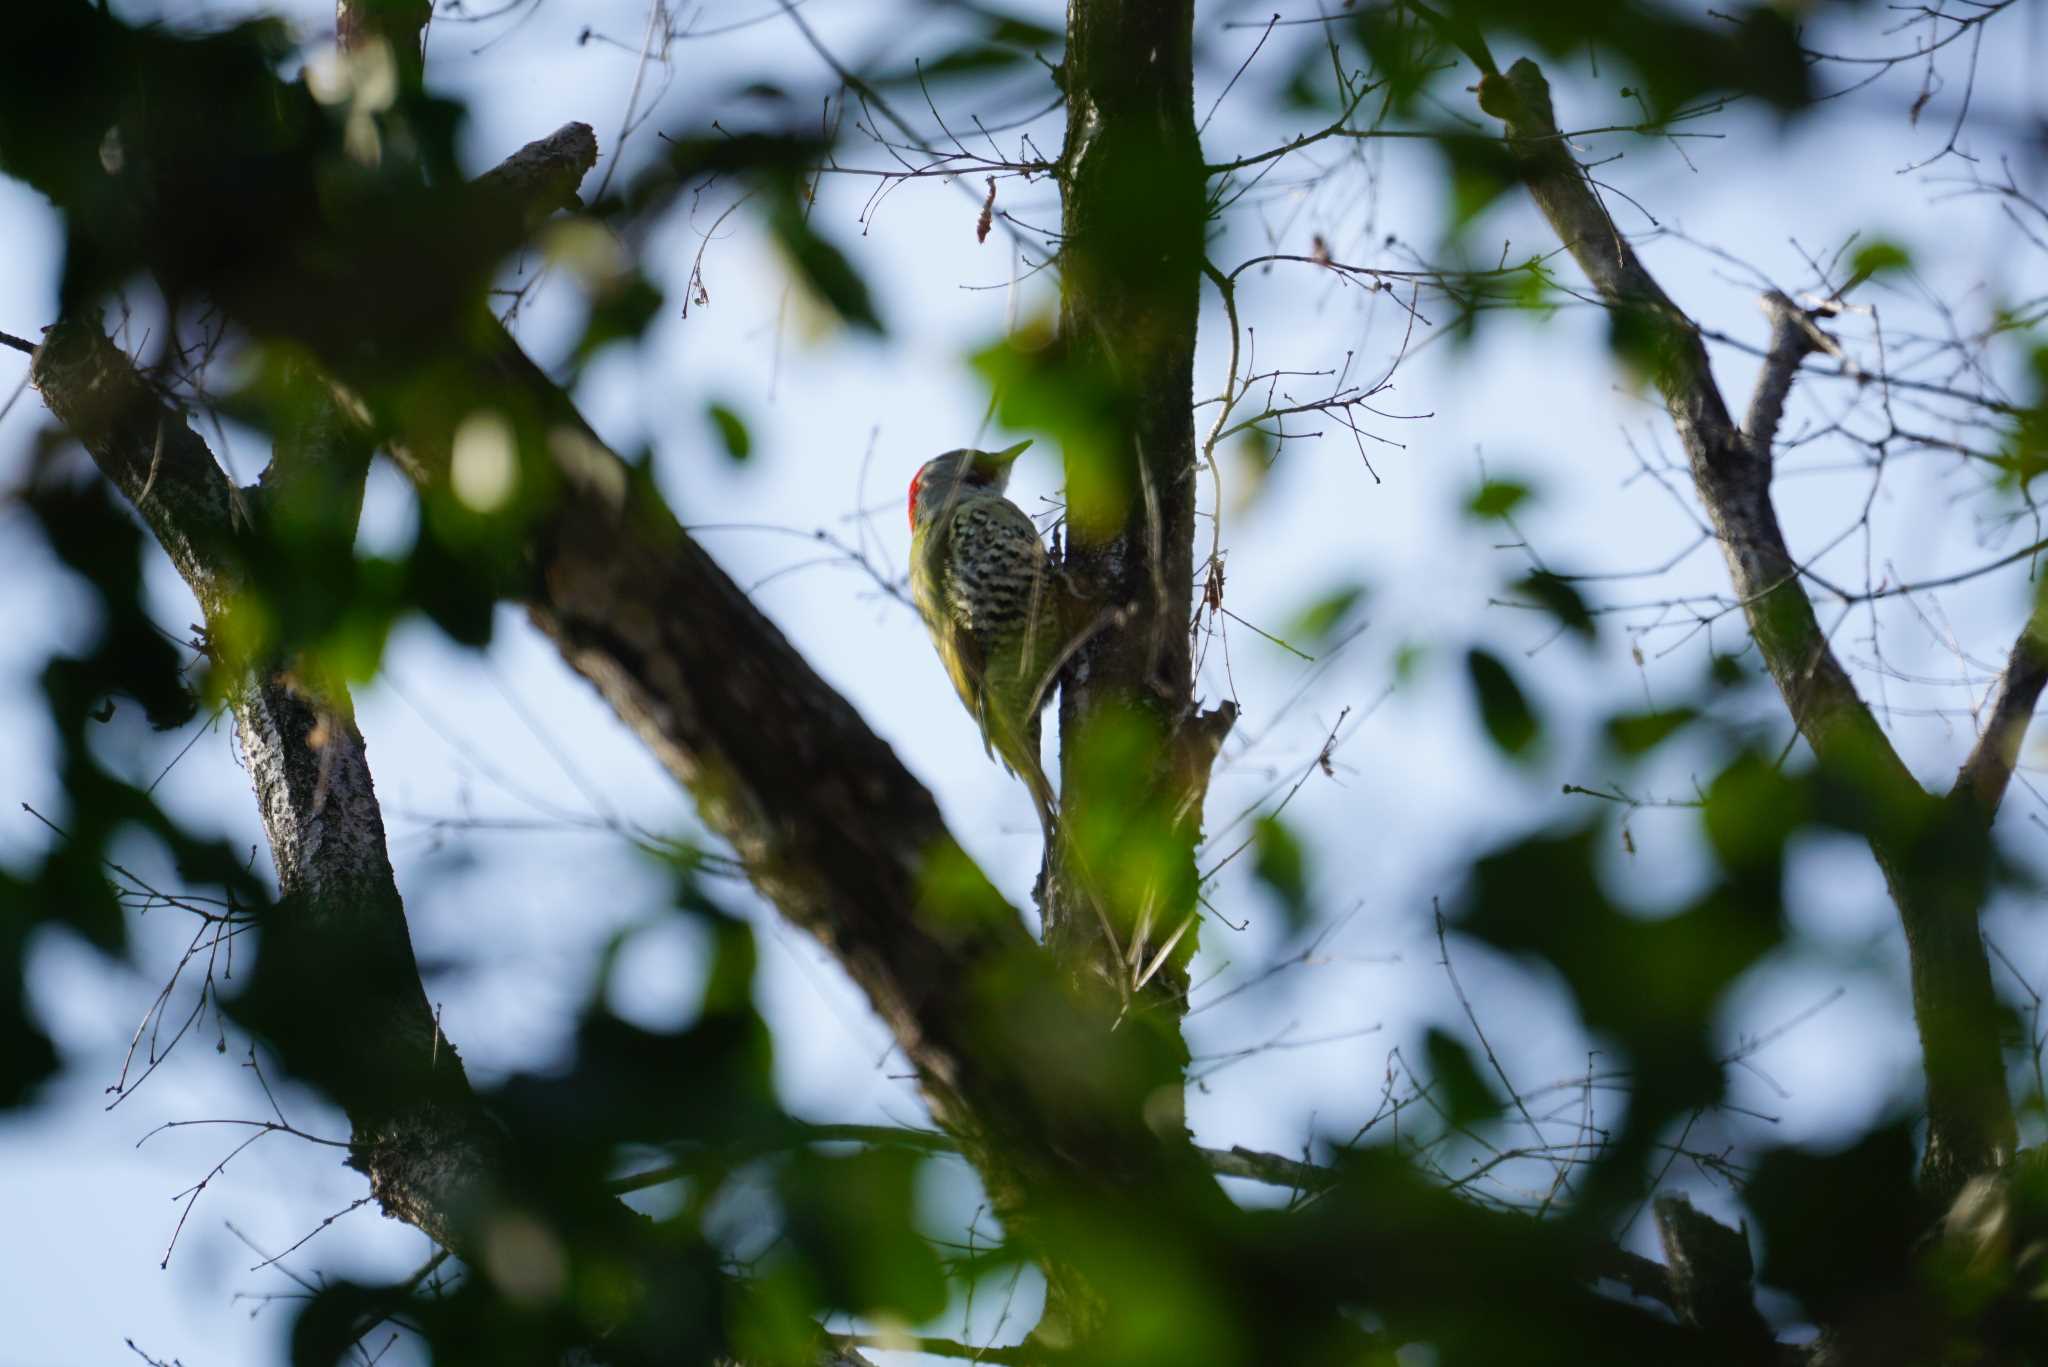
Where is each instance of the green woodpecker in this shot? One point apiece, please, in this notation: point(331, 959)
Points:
point(984, 585)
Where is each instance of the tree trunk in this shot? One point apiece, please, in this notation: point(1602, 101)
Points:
point(1134, 212)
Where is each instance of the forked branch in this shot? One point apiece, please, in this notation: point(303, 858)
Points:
point(1935, 869)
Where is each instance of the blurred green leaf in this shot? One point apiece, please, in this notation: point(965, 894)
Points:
point(732, 432)
point(819, 264)
point(1320, 618)
point(1280, 861)
point(966, 61)
point(1503, 710)
point(1400, 54)
point(451, 585)
point(1041, 383)
point(1877, 256)
point(1752, 810)
point(1455, 1081)
point(1309, 83)
point(1533, 291)
point(104, 546)
point(26, 1054)
point(952, 889)
point(581, 1113)
point(1840, 1227)
point(1008, 28)
point(1653, 986)
point(621, 311)
point(1726, 671)
point(1479, 171)
point(1676, 59)
point(329, 1325)
point(2026, 459)
point(2024, 456)
point(1557, 597)
point(1497, 498)
point(1408, 661)
point(850, 1220)
point(1655, 347)
point(729, 981)
point(1128, 829)
point(1638, 733)
point(1253, 453)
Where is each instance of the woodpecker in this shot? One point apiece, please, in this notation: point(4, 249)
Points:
point(984, 585)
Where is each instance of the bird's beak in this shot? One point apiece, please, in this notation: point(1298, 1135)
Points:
point(1010, 453)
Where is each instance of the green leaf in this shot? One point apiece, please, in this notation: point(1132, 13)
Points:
point(1399, 57)
point(1481, 171)
point(1653, 985)
point(1321, 617)
point(26, 1054)
point(621, 312)
point(732, 432)
point(1308, 84)
point(953, 891)
point(1532, 290)
point(2025, 455)
point(1043, 383)
point(1879, 255)
point(1022, 32)
point(1638, 733)
point(850, 1220)
point(1503, 710)
point(1281, 863)
point(1455, 1080)
point(1497, 498)
point(1654, 346)
point(1408, 661)
point(1557, 597)
point(978, 59)
point(1752, 808)
point(821, 265)
point(1836, 1224)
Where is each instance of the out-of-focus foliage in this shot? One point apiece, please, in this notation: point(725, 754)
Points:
point(1504, 709)
point(1555, 595)
point(764, 1229)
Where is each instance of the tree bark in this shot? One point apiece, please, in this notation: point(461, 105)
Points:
point(1934, 853)
point(1134, 213)
point(1041, 1093)
point(337, 987)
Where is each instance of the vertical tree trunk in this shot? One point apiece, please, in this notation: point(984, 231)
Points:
point(1134, 213)
point(1133, 216)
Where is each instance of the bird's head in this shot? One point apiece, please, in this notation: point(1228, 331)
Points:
point(943, 479)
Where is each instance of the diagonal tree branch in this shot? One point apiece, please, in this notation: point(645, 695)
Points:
point(417, 1131)
point(1731, 471)
point(336, 986)
point(829, 824)
point(1935, 865)
point(1985, 774)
